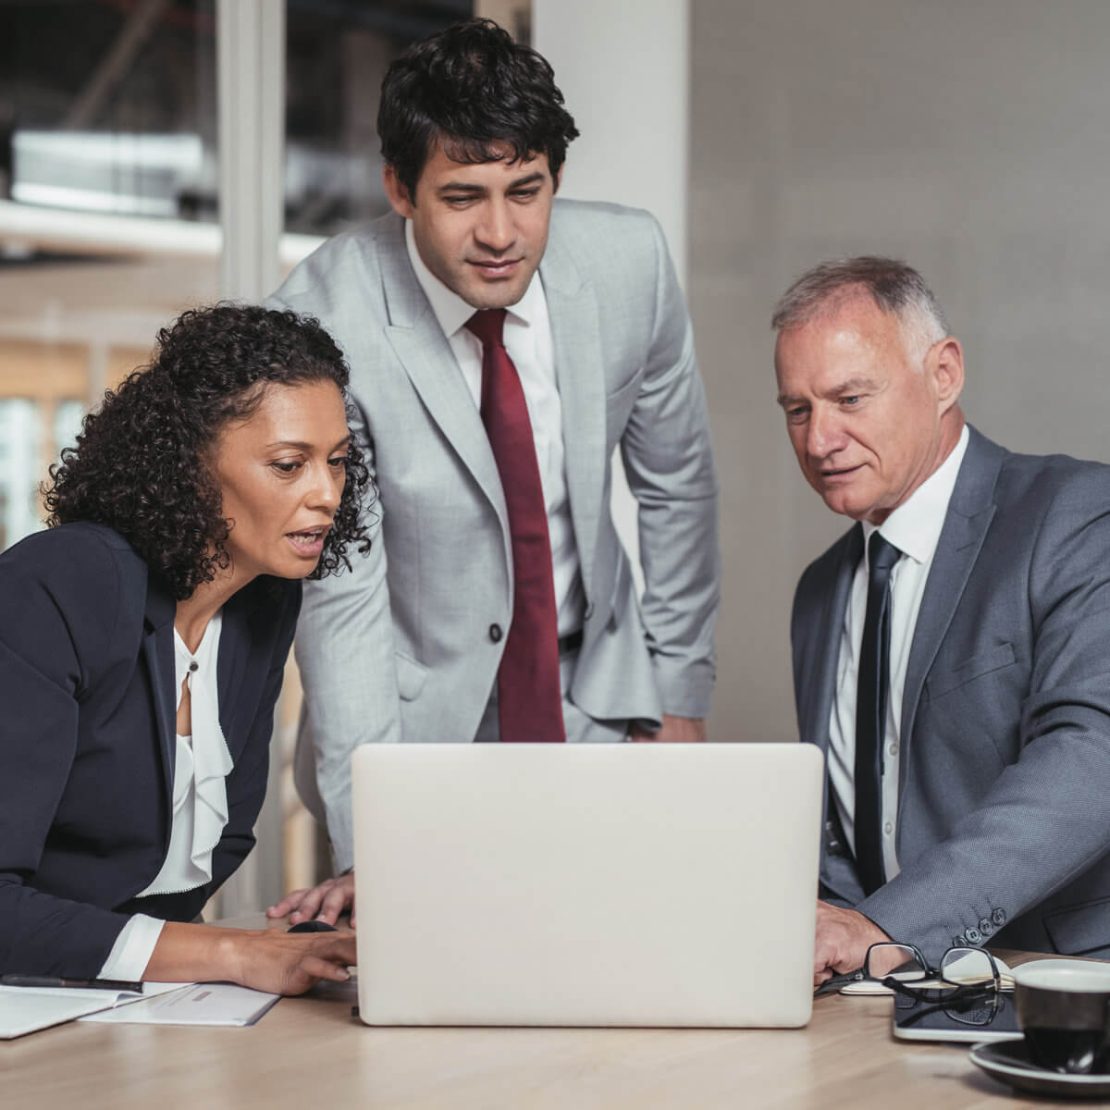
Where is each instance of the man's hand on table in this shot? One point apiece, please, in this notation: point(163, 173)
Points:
point(843, 937)
point(673, 730)
point(324, 902)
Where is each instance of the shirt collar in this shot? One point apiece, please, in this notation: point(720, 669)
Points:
point(450, 309)
point(915, 526)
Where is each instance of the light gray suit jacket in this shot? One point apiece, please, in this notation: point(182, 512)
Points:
point(1004, 792)
point(401, 649)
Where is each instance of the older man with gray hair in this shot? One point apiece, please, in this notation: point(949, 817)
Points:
point(952, 650)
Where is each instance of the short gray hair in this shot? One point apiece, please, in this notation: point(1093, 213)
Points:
point(894, 287)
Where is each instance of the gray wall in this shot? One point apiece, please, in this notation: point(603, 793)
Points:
point(970, 137)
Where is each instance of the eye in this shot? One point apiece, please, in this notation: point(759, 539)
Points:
point(458, 202)
point(797, 413)
point(851, 400)
point(525, 194)
point(339, 462)
point(286, 467)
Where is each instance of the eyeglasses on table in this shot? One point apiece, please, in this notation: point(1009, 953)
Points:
point(904, 969)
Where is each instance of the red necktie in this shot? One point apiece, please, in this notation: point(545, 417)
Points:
point(529, 696)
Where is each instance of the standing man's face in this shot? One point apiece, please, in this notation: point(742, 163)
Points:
point(868, 422)
point(480, 228)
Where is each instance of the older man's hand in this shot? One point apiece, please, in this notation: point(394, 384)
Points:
point(843, 937)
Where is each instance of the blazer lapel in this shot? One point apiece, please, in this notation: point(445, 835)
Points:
point(815, 675)
point(821, 653)
point(965, 527)
point(580, 377)
point(423, 351)
point(243, 662)
point(158, 652)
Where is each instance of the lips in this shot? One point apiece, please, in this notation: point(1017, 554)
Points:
point(501, 268)
point(837, 473)
point(308, 543)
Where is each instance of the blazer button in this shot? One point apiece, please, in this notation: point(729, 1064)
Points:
point(986, 927)
point(495, 633)
point(999, 917)
point(974, 936)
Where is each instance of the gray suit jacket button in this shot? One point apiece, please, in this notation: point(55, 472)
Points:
point(974, 936)
point(495, 633)
point(959, 941)
point(986, 927)
point(999, 917)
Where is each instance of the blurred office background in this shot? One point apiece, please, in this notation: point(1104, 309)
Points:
point(966, 136)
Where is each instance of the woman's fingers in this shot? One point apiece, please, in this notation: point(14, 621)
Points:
point(290, 963)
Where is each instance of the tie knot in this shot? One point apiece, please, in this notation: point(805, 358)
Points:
point(881, 555)
point(487, 324)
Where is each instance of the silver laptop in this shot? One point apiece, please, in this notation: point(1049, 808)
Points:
point(586, 884)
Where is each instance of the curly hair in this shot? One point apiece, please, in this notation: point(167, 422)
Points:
point(139, 464)
point(476, 91)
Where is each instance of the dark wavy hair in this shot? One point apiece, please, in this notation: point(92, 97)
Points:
point(475, 91)
point(140, 461)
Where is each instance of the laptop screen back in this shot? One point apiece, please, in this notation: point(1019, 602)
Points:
point(594, 884)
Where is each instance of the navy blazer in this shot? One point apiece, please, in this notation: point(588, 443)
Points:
point(87, 735)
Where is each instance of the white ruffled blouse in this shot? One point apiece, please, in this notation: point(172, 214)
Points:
point(201, 765)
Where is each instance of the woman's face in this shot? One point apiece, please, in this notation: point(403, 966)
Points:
point(281, 473)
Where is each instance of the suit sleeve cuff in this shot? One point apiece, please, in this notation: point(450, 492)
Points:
point(685, 689)
point(133, 948)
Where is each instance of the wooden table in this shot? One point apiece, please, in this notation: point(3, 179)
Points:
point(309, 1052)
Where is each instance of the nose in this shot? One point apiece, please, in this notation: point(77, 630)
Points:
point(824, 434)
point(326, 490)
point(496, 231)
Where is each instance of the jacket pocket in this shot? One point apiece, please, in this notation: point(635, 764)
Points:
point(410, 676)
point(993, 659)
point(1079, 930)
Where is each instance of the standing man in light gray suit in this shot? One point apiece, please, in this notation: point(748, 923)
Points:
point(502, 345)
point(952, 649)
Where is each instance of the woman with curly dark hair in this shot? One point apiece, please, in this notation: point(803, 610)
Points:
point(142, 643)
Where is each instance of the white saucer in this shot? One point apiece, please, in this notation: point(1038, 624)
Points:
point(1009, 1063)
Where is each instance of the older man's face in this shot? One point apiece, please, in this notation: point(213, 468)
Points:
point(867, 422)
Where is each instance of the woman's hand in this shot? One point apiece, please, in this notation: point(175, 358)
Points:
point(324, 902)
point(291, 963)
point(265, 959)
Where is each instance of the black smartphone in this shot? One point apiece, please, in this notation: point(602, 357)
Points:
point(968, 1017)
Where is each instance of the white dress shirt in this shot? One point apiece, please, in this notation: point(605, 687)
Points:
point(201, 765)
point(914, 528)
point(527, 339)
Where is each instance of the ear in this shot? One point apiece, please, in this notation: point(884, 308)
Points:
point(396, 192)
point(945, 365)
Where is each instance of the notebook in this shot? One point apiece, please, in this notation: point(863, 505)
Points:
point(586, 885)
point(28, 1009)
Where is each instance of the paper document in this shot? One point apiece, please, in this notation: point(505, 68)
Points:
point(199, 1004)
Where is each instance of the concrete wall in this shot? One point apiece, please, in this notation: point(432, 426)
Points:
point(969, 137)
point(623, 67)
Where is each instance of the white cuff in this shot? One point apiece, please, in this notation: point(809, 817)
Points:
point(133, 949)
